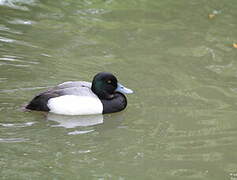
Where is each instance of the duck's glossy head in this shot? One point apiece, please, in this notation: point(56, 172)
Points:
point(105, 85)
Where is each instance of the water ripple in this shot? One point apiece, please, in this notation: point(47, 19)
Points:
point(6, 29)
point(20, 21)
point(22, 89)
point(80, 132)
point(17, 4)
point(3, 80)
point(12, 140)
point(191, 173)
point(17, 124)
point(206, 157)
point(15, 65)
point(8, 40)
point(16, 59)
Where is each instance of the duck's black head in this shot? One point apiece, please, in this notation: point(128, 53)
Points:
point(105, 85)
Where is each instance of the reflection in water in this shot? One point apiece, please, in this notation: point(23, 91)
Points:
point(86, 124)
point(75, 121)
point(108, 121)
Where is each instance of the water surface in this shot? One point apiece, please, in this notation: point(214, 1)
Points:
point(176, 55)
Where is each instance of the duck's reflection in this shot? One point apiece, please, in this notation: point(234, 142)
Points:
point(75, 121)
point(99, 121)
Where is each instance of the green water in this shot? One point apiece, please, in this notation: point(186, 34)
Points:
point(179, 124)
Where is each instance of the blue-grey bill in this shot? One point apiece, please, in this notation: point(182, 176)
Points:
point(123, 89)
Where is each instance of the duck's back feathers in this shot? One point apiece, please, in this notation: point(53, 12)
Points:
point(70, 84)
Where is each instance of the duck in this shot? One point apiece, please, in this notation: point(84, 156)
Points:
point(103, 95)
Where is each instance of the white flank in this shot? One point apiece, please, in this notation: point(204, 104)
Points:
point(75, 105)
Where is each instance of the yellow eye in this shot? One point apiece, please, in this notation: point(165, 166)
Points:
point(109, 81)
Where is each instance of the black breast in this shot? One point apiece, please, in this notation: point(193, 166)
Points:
point(118, 103)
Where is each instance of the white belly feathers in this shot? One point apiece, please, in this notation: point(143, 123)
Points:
point(75, 105)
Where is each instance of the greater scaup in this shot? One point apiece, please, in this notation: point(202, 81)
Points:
point(103, 95)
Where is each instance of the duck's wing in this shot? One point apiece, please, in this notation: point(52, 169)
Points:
point(71, 84)
point(77, 88)
point(77, 91)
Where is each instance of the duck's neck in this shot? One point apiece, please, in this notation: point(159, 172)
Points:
point(118, 103)
point(101, 93)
